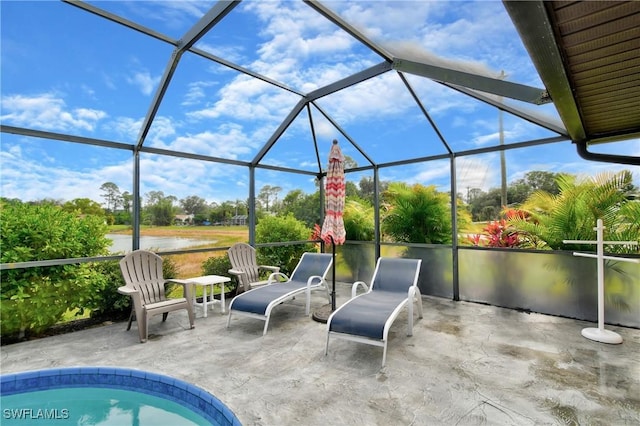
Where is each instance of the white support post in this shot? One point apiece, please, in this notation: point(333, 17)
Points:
point(600, 334)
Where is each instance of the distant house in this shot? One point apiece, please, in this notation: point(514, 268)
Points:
point(240, 219)
point(183, 219)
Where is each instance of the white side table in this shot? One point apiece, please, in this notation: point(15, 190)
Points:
point(207, 281)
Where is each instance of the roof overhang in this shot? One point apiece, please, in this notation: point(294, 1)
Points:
point(588, 57)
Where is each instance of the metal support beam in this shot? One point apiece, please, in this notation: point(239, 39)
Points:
point(252, 206)
point(157, 98)
point(344, 133)
point(336, 19)
point(64, 138)
point(473, 81)
point(510, 109)
point(211, 18)
point(285, 169)
point(119, 20)
point(180, 154)
point(315, 141)
point(359, 77)
point(376, 211)
point(454, 229)
point(243, 70)
point(280, 130)
point(137, 200)
point(425, 113)
point(532, 23)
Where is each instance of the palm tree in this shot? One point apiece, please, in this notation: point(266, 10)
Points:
point(416, 214)
point(572, 215)
point(573, 212)
point(420, 214)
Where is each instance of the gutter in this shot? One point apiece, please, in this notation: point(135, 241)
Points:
point(606, 158)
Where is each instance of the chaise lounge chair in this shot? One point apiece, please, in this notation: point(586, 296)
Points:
point(309, 275)
point(142, 273)
point(245, 268)
point(367, 318)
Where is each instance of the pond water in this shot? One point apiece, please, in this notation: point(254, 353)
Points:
point(122, 243)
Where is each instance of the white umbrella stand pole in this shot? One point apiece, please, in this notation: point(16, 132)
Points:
point(601, 334)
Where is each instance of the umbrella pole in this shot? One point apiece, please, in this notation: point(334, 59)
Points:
point(333, 278)
point(322, 314)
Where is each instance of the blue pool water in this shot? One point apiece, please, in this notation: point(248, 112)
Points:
point(95, 406)
point(106, 396)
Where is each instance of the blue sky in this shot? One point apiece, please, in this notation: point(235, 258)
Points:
point(65, 70)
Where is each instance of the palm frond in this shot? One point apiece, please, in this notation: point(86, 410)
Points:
point(572, 214)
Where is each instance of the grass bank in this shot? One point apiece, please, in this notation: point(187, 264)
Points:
point(190, 264)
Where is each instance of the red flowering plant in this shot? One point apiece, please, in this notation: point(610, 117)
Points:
point(502, 234)
point(497, 233)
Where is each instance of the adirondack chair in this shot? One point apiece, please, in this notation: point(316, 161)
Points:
point(245, 268)
point(142, 272)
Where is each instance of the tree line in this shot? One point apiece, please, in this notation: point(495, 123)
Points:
point(159, 209)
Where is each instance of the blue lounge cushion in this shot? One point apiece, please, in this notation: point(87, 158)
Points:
point(367, 314)
point(256, 301)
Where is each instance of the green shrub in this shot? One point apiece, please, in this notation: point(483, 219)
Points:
point(170, 270)
point(416, 214)
point(104, 300)
point(33, 299)
point(216, 265)
point(219, 265)
point(359, 224)
point(273, 229)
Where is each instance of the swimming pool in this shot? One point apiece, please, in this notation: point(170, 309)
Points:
point(107, 395)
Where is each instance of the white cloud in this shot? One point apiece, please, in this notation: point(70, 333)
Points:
point(387, 19)
point(195, 93)
point(29, 178)
point(162, 129)
point(175, 15)
point(296, 42)
point(478, 172)
point(183, 177)
point(432, 171)
point(88, 91)
point(383, 96)
point(125, 128)
point(233, 53)
point(144, 81)
point(241, 100)
point(226, 143)
point(48, 111)
point(30, 174)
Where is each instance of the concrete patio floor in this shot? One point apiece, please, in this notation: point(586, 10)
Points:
point(466, 364)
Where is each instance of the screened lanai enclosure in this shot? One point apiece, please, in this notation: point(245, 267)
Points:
point(137, 104)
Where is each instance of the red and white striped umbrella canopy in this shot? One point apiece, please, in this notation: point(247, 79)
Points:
point(333, 226)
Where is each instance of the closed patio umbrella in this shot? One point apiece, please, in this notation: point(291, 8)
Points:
point(333, 231)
